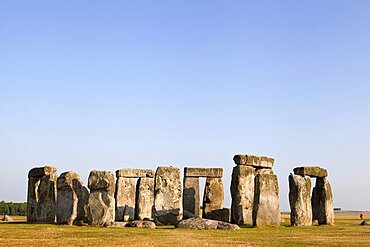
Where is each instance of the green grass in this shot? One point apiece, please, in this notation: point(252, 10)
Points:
point(346, 232)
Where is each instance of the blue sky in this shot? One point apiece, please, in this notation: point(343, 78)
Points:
point(105, 85)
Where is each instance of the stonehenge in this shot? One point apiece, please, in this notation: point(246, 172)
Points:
point(145, 198)
point(304, 208)
point(254, 191)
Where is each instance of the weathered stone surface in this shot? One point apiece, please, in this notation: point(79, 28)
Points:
point(101, 203)
point(39, 172)
point(264, 171)
point(255, 161)
point(42, 194)
point(205, 224)
point(187, 215)
point(242, 194)
point(213, 198)
point(322, 202)
point(141, 224)
point(266, 210)
point(82, 206)
point(191, 195)
point(203, 172)
point(168, 195)
point(223, 214)
point(312, 171)
point(365, 223)
point(144, 198)
point(102, 180)
point(7, 218)
point(135, 173)
point(70, 190)
point(125, 199)
point(300, 200)
point(101, 208)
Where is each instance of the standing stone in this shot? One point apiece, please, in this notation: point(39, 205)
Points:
point(70, 190)
point(191, 195)
point(101, 204)
point(42, 194)
point(168, 195)
point(213, 198)
point(314, 204)
point(242, 195)
point(300, 200)
point(144, 198)
point(322, 199)
point(125, 199)
point(266, 209)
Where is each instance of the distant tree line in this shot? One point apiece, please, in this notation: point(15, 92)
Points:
point(13, 208)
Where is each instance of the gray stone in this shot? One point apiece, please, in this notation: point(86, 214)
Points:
point(168, 195)
point(242, 195)
point(322, 202)
point(42, 194)
point(266, 210)
point(102, 180)
point(7, 218)
point(144, 198)
point(70, 190)
point(255, 161)
point(203, 172)
point(82, 206)
point(205, 224)
point(101, 203)
point(135, 173)
point(125, 199)
point(213, 198)
point(187, 215)
point(264, 171)
point(312, 171)
point(141, 224)
point(223, 214)
point(191, 195)
point(300, 200)
point(365, 223)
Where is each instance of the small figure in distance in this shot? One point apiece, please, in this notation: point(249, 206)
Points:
point(361, 216)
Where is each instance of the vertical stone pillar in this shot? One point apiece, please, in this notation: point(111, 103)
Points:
point(213, 198)
point(168, 196)
point(242, 194)
point(191, 195)
point(266, 209)
point(70, 197)
point(101, 204)
point(322, 202)
point(300, 200)
point(125, 198)
point(144, 198)
point(42, 193)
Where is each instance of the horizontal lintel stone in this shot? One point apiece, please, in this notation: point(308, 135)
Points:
point(38, 172)
point(312, 171)
point(203, 172)
point(135, 173)
point(255, 161)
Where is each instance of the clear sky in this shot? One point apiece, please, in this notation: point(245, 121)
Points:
point(111, 84)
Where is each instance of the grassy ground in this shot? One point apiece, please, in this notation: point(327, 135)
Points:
point(346, 232)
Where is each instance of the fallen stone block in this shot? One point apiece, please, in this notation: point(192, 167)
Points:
point(205, 224)
point(203, 172)
point(312, 171)
point(223, 214)
point(365, 223)
point(141, 224)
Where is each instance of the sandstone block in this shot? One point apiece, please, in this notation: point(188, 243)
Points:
point(255, 161)
point(312, 171)
point(203, 172)
point(223, 214)
point(264, 171)
point(205, 224)
point(135, 173)
point(125, 199)
point(242, 195)
point(266, 210)
point(102, 180)
point(42, 194)
point(213, 198)
point(322, 202)
point(191, 195)
point(300, 200)
point(141, 224)
point(168, 195)
point(101, 211)
point(144, 198)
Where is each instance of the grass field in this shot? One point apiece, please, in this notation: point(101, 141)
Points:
point(346, 232)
